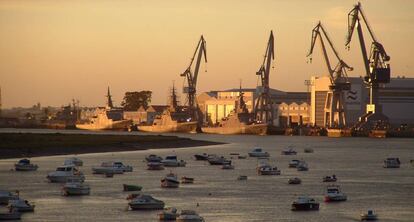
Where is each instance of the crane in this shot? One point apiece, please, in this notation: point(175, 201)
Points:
point(377, 65)
point(191, 77)
point(263, 108)
point(334, 112)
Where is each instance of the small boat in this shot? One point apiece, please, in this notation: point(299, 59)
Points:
point(169, 213)
point(21, 205)
point(392, 162)
point(216, 160)
point(189, 216)
point(295, 180)
point(293, 163)
point(170, 181)
point(302, 166)
point(203, 156)
point(114, 167)
point(155, 166)
point(128, 187)
point(187, 180)
point(172, 161)
point(25, 165)
point(5, 196)
point(146, 202)
point(334, 193)
point(65, 173)
point(242, 177)
point(289, 151)
point(258, 152)
point(330, 178)
point(10, 215)
point(370, 215)
point(227, 166)
point(264, 168)
point(73, 161)
point(75, 187)
point(153, 158)
point(242, 157)
point(304, 203)
point(308, 150)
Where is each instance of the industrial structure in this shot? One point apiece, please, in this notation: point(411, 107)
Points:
point(334, 110)
point(263, 109)
point(377, 70)
point(191, 77)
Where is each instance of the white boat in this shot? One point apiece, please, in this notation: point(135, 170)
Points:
point(25, 165)
point(73, 161)
point(334, 193)
point(217, 160)
point(264, 168)
point(302, 166)
point(294, 163)
point(189, 216)
point(170, 181)
point(392, 162)
point(5, 196)
point(10, 215)
point(172, 161)
point(116, 167)
point(65, 173)
point(304, 203)
point(258, 152)
point(370, 215)
point(75, 187)
point(21, 205)
point(145, 202)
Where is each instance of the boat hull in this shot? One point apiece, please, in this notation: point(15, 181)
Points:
point(30, 167)
point(255, 129)
point(110, 125)
point(187, 127)
point(72, 191)
point(166, 183)
point(64, 179)
point(147, 206)
point(305, 207)
point(105, 170)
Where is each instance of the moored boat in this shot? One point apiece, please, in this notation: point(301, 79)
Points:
point(295, 180)
point(258, 152)
point(302, 166)
point(73, 161)
point(65, 173)
point(189, 216)
point(128, 187)
point(25, 165)
point(5, 196)
point(170, 181)
point(392, 162)
point(75, 187)
point(334, 193)
point(289, 151)
point(21, 205)
point(369, 216)
point(203, 156)
point(293, 163)
point(264, 168)
point(308, 150)
point(172, 161)
point(304, 203)
point(242, 177)
point(216, 160)
point(155, 166)
point(187, 180)
point(330, 178)
point(10, 215)
point(169, 213)
point(227, 166)
point(146, 202)
point(116, 167)
point(153, 158)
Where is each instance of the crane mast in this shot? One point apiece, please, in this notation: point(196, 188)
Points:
point(334, 111)
point(263, 107)
point(377, 65)
point(191, 77)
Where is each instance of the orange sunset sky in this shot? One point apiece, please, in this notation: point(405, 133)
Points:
point(53, 51)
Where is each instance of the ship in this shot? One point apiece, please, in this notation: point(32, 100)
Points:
point(108, 118)
point(239, 121)
point(171, 120)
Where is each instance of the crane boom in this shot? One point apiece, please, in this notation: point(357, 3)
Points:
point(191, 77)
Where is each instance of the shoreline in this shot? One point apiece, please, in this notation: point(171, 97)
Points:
point(19, 145)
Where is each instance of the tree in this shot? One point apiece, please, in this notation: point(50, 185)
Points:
point(133, 100)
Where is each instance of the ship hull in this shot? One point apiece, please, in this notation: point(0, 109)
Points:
point(256, 129)
point(339, 132)
point(115, 125)
point(188, 127)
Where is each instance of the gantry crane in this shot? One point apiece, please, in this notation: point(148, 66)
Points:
point(334, 111)
point(263, 108)
point(376, 65)
point(191, 78)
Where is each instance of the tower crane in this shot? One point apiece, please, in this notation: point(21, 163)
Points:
point(191, 77)
point(334, 111)
point(263, 108)
point(377, 65)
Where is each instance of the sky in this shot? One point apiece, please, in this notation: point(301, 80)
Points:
point(52, 51)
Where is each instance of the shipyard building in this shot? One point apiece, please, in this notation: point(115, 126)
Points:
point(396, 98)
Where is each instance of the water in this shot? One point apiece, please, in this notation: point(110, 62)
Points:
point(357, 162)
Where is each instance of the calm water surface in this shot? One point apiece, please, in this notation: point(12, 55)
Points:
point(357, 162)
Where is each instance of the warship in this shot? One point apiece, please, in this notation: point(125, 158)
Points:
point(173, 119)
point(108, 118)
point(239, 121)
